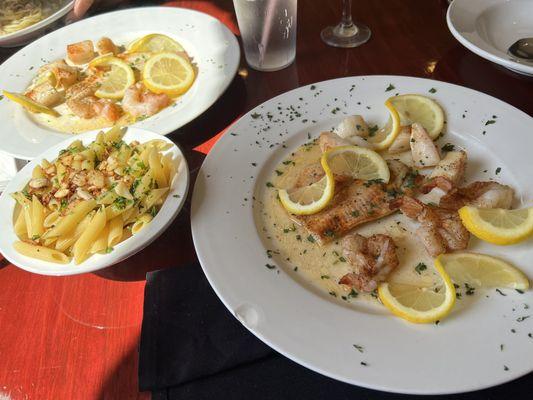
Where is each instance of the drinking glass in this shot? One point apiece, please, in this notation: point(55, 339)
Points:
point(268, 32)
point(346, 33)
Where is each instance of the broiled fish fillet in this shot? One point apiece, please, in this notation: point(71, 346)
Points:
point(354, 203)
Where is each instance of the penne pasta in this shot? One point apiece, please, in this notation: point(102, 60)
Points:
point(100, 244)
point(115, 231)
point(154, 161)
point(37, 218)
point(141, 223)
point(51, 219)
point(20, 226)
point(40, 252)
point(68, 223)
point(152, 197)
point(82, 246)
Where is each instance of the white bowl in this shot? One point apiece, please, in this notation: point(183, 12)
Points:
point(29, 33)
point(125, 249)
point(489, 27)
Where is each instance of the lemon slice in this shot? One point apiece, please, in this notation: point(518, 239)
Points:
point(357, 162)
point(479, 270)
point(419, 304)
point(310, 199)
point(386, 135)
point(498, 225)
point(168, 73)
point(29, 104)
point(155, 43)
point(417, 108)
point(116, 80)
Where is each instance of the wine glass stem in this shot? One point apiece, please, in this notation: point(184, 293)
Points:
point(347, 13)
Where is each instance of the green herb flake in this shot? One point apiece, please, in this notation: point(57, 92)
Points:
point(332, 293)
point(490, 122)
point(448, 147)
point(255, 115)
point(355, 213)
point(359, 348)
point(311, 238)
point(372, 130)
point(390, 87)
point(520, 319)
point(432, 90)
point(324, 276)
point(270, 266)
point(109, 250)
point(269, 184)
point(498, 170)
point(420, 267)
point(353, 293)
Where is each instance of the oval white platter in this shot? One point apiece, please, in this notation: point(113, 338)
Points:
point(318, 331)
point(489, 27)
point(211, 45)
point(169, 210)
point(25, 35)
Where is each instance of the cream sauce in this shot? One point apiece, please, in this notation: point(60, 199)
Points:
point(323, 266)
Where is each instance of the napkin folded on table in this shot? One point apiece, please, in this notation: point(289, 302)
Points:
point(192, 347)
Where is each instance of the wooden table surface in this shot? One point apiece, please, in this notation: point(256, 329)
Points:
point(77, 337)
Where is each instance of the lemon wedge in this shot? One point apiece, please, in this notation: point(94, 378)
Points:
point(117, 78)
point(419, 304)
point(386, 135)
point(417, 108)
point(479, 270)
point(154, 43)
point(168, 73)
point(310, 199)
point(29, 104)
point(357, 162)
point(497, 225)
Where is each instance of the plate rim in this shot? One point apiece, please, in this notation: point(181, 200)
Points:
point(202, 255)
point(509, 64)
point(25, 173)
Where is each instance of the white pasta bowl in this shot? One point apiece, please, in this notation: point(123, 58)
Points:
point(29, 33)
point(169, 210)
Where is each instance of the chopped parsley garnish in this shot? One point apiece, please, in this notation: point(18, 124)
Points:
point(270, 266)
point(390, 87)
point(35, 237)
point(269, 184)
point(313, 87)
point(255, 115)
point(372, 130)
point(279, 172)
point(364, 364)
point(299, 238)
point(490, 122)
point(353, 293)
point(176, 196)
point(64, 204)
point(520, 319)
point(324, 276)
point(498, 170)
point(311, 238)
point(355, 213)
point(432, 90)
point(109, 250)
point(520, 291)
point(332, 293)
point(359, 348)
point(120, 203)
point(500, 292)
point(342, 259)
point(448, 147)
point(420, 267)
point(153, 211)
point(410, 179)
point(371, 182)
point(329, 233)
point(469, 289)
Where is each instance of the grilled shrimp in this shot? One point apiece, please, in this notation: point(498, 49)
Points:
point(138, 101)
point(372, 259)
point(45, 94)
point(106, 46)
point(449, 172)
point(425, 153)
point(440, 229)
point(64, 75)
point(479, 194)
point(81, 52)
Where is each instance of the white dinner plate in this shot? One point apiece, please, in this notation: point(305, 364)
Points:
point(211, 45)
point(30, 32)
point(169, 210)
point(489, 27)
point(463, 352)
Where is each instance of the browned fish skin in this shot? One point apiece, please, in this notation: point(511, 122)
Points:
point(354, 203)
point(486, 194)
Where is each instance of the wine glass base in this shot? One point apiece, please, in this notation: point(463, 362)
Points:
point(340, 36)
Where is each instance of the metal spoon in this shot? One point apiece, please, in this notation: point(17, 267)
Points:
point(522, 49)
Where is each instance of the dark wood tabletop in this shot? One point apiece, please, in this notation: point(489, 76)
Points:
point(77, 337)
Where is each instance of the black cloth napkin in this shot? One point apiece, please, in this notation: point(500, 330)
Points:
point(193, 348)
